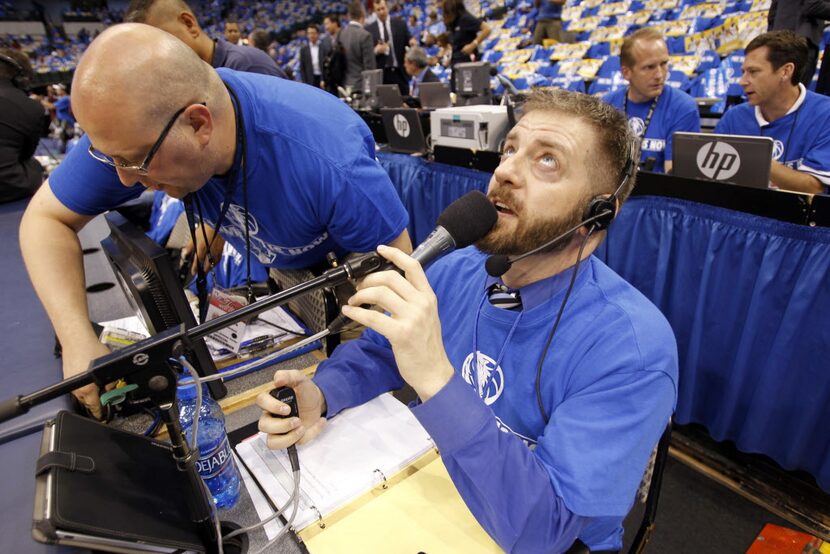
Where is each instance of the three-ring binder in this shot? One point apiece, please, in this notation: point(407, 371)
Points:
point(384, 485)
point(320, 521)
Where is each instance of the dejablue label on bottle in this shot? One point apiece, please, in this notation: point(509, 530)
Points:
point(211, 464)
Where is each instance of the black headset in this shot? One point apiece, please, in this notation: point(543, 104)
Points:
point(20, 79)
point(602, 209)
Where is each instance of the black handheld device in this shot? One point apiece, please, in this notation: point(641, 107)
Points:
point(288, 396)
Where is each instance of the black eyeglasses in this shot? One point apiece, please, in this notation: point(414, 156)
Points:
point(143, 166)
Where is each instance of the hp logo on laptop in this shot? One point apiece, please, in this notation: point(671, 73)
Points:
point(401, 125)
point(718, 160)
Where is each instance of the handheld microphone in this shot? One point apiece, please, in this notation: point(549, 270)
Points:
point(287, 395)
point(462, 223)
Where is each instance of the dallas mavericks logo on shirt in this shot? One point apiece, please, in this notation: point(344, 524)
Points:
point(490, 376)
point(777, 150)
point(637, 126)
point(265, 252)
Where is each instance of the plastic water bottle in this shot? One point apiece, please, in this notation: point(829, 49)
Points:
point(216, 464)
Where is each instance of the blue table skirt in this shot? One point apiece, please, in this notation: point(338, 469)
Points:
point(426, 188)
point(744, 294)
point(746, 297)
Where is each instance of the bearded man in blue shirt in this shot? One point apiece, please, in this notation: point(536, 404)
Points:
point(544, 423)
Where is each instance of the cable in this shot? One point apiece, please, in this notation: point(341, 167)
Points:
point(293, 499)
point(556, 325)
point(290, 522)
point(295, 495)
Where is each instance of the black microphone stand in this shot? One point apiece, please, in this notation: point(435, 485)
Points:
point(149, 364)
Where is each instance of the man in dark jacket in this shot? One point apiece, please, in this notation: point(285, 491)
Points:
point(176, 17)
point(417, 68)
point(312, 57)
point(804, 18)
point(390, 36)
point(22, 122)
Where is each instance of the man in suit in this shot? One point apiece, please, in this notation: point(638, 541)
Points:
point(805, 18)
point(416, 64)
point(357, 45)
point(312, 56)
point(390, 36)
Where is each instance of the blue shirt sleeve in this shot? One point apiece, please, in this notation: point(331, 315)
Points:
point(366, 210)
point(724, 125)
point(361, 370)
point(87, 186)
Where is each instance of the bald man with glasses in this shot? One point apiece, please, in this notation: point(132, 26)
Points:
point(251, 150)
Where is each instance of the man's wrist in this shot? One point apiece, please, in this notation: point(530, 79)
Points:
point(431, 387)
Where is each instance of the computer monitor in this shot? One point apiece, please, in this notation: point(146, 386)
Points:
point(146, 275)
point(389, 96)
point(370, 79)
point(472, 83)
point(435, 95)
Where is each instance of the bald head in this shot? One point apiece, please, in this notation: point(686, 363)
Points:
point(124, 101)
point(160, 75)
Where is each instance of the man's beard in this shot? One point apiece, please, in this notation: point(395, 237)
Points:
point(528, 234)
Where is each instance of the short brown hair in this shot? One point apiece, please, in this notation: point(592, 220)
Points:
point(645, 33)
point(615, 142)
point(783, 47)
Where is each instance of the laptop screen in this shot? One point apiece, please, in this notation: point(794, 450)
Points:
point(434, 95)
point(403, 130)
point(389, 96)
point(734, 159)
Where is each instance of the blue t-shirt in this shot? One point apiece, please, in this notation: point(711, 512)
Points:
point(675, 111)
point(609, 385)
point(244, 58)
point(802, 137)
point(315, 185)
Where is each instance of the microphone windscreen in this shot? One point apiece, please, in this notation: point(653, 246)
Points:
point(469, 218)
point(497, 265)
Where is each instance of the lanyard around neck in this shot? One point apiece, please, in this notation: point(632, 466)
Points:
point(651, 108)
point(499, 358)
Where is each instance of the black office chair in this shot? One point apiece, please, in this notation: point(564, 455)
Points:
point(648, 493)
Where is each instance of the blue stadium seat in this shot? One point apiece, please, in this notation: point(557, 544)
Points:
point(609, 66)
point(732, 65)
point(678, 79)
point(568, 82)
point(604, 85)
point(712, 83)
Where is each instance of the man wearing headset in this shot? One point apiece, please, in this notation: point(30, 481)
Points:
point(22, 123)
point(778, 106)
point(250, 151)
point(545, 428)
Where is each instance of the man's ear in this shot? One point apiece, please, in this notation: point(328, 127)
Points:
point(190, 23)
point(201, 123)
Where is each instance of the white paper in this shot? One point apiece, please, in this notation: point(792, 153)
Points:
point(340, 464)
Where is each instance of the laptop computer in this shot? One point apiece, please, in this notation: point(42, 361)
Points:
point(403, 130)
point(389, 96)
point(434, 95)
point(733, 159)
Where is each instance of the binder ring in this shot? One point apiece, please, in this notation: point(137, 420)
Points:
point(384, 485)
point(320, 521)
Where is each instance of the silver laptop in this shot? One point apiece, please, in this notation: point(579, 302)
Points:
point(434, 95)
point(403, 130)
point(734, 159)
point(389, 96)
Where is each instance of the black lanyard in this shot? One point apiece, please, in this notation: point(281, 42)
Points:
point(240, 157)
point(789, 135)
point(647, 121)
